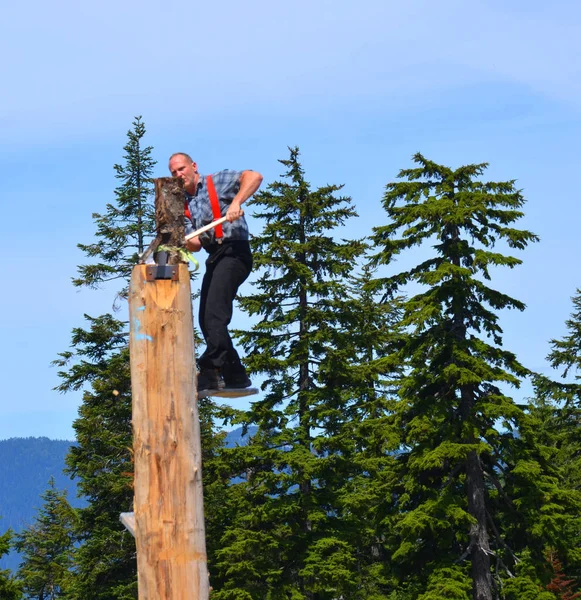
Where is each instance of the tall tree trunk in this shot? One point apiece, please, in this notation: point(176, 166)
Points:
point(475, 487)
point(476, 492)
point(479, 542)
point(304, 416)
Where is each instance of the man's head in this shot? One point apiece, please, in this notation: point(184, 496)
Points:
point(181, 165)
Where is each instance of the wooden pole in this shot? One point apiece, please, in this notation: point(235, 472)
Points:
point(169, 511)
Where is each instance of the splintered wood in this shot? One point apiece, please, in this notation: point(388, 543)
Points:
point(169, 212)
point(169, 217)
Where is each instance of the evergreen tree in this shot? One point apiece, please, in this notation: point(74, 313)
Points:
point(10, 588)
point(525, 583)
point(542, 467)
point(540, 503)
point(366, 438)
point(46, 547)
point(452, 408)
point(292, 531)
point(548, 446)
point(566, 353)
point(98, 363)
point(541, 478)
point(127, 226)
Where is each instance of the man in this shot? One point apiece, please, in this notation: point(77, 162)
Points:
point(227, 267)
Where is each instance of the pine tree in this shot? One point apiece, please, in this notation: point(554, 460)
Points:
point(127, 226)
point(540, 503)
point(525, 583)
point(361, 366)
point(10, 588)
point(284, 537)
point(542, 464)
point(542, 467)
point(46, 547)
point(451, 404)
point(98, 363)
point(566, 353)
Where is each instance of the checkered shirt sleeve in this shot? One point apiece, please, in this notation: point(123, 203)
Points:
point(227, 184)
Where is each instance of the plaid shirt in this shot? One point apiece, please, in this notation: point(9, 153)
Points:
point(227, 184)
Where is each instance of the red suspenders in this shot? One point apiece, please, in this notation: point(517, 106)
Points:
point(215, 207)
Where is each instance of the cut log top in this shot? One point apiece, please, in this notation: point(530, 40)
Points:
point(169, 213)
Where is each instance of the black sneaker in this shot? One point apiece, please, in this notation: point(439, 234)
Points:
point(235, 377)
point(210, 379)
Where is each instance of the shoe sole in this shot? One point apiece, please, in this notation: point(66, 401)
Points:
point(228, 392)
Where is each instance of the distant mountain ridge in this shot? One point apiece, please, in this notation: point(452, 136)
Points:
point(26, 466)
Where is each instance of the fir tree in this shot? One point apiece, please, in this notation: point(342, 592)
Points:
point(98, 364)
point(284, 537)
point(542, 466)
point(540, 503)
point(10, 588)
point(565, 356)
point(451, 404)
point(449, 582)
point(367, 439)
point(125, 229)
point(525, 583)
point(566, 353)
point(46, 547)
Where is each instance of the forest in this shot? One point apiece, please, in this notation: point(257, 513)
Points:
point(392, 455)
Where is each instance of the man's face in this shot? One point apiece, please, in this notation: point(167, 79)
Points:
point(185, 170)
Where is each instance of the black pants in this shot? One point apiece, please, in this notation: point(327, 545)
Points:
point(227, 267)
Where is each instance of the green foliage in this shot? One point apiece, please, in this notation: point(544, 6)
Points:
point(386, 460)
point(540, 505)
point(448, 582)
point(565, 356)
point(98, 364)
point(124, 229)
point(26, 464)
point(46, 547)
point(294, 530)
point(526, 583)
point(10, 588)
point(542, 466)
point(451, 410)
point(566, 353)
point(541, 475)
point(105, 561)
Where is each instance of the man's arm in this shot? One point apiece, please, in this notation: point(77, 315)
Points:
point(194, 244)
point(249, 182)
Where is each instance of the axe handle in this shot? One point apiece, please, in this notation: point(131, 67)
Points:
point(208, 227)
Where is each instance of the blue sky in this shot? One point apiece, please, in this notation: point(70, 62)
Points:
point(358, 86)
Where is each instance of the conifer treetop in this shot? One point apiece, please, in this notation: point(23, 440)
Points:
point(128, 224)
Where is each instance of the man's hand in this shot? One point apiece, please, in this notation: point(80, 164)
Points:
point(249, 182)
point(194, 244)
point(234, 212)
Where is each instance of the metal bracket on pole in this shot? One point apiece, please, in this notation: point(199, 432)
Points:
point(161, 270)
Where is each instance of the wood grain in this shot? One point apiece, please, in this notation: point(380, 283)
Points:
point(169, 511)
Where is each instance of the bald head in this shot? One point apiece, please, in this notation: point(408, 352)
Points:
point(186, 156)
point(182, 166)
